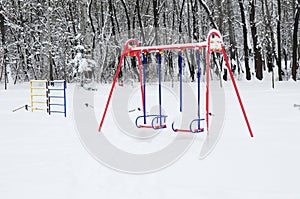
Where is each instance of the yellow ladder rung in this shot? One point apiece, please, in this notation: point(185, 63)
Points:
point(38, 109)
point(38, 95)
point(38, 88)
point(39, 102)
point(38, 81)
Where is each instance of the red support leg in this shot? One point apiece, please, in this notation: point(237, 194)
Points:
point(207, 83)
point(111, 91)
point(236, 90)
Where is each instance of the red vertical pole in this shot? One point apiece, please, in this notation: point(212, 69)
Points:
point(111, 91)
point(141, 79)
point(236, 90)
point(207, 82)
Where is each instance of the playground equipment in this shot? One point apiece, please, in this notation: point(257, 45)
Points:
point(198, 120)
point(159, 120)
point(38, 93)
point(214, 43)
point(47, 95)
point(56, 102)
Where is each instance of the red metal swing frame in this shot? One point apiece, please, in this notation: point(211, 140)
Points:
point(132, 48)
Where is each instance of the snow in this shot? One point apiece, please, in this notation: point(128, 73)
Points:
point(42, 156)
point(82, 64)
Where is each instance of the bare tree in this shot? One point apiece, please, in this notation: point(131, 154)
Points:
point(156, 19)
point(232, 48)
point(209, 13)
point(92, 27)
point(127, 18)
point(279, 40)
point(3, 31)
point(245, 36)
point(140, 21)
point(49, 41)
point(295, 41)
point(96, 24)
point(256, 46)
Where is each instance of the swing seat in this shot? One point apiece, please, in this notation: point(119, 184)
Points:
point(197, 130)
point(180, 130)
point(160, 126)
point(158, 122)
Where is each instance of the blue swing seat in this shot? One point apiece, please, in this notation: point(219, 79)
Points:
point(156, 122)
point(190, 130)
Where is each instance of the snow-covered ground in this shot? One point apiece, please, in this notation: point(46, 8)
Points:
point(41, 156)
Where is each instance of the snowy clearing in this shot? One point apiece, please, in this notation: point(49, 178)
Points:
point(42, 156)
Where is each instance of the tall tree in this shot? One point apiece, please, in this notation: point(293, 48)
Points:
point(256, 45)
point(209, 13)
point(231, 19)
point(279, 40)
point(111, 15)
point(127, 18)
point(49, 41)
point(140, 22)
point(270, 41)
point(295, 41)
point(245, 36)
point(180, 20)
point(92, 27)
point(191, 62)
point(3, 30)
point(156, 18)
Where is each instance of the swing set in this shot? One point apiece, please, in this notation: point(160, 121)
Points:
point(132, 49)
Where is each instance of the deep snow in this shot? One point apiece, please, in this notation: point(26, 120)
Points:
point(42, 156)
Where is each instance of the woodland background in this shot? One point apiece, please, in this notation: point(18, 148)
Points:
point(83, 39)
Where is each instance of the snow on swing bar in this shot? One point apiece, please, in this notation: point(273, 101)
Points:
point(215, 44)
point(169, 47)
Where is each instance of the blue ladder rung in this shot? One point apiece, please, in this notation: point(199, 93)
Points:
point(56, 89)
point(57, 81)
point(57, 111)
point(56, 97)
point(56, 104)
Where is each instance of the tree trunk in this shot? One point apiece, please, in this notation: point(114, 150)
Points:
point(191, 63)
point(111, 15)
point(49, 42)
point(209, 13)
point(140, 21)
point(5, 70)
point(219, 10)
point(3, 30)
point(93, 27)
point(246, 48)
point(279, 41)
point(271, 52)
point(232, 47)
point(180, 20)
point(116, 19)
point(156, 18)
point(127, 18)
point(295, 41)
point(256, 47)
point(195, 21)
point(2, 71)
point(82, 22)
point(72, 19)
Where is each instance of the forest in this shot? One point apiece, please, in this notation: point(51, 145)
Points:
point(83, 39)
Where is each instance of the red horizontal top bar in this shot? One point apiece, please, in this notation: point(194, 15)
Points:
point(169, 47)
